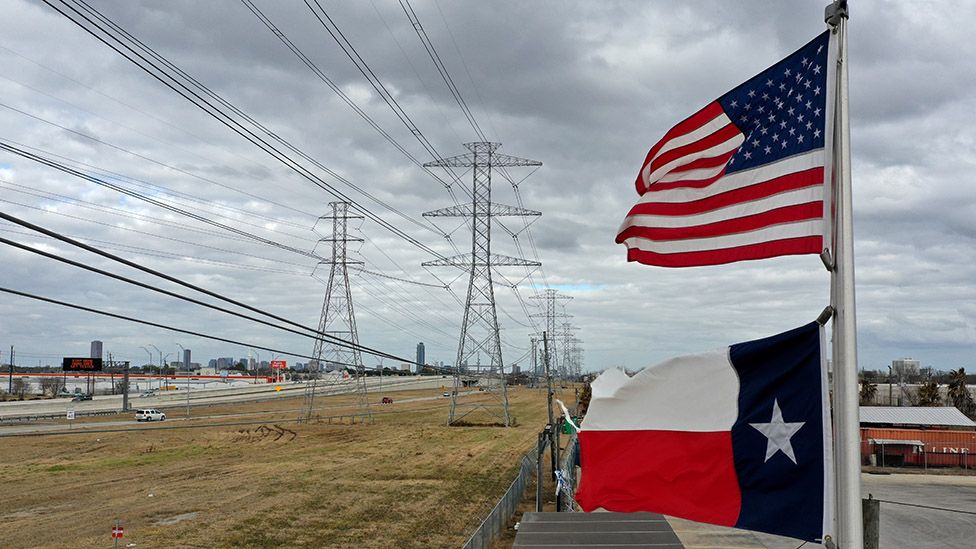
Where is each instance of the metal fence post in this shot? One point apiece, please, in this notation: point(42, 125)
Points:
point(871, 511)
point(541, 446)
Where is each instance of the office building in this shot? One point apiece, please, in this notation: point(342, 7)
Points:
point(421, 358)
point(96, 349)
point(905, 367)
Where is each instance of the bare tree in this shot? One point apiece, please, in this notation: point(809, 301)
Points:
point(20, 387)
point(51, 385)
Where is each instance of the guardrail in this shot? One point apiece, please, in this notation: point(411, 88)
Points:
point(496, 521)
point(61, 415)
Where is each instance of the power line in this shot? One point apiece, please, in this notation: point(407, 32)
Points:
point(346, 46)
point(441, 68)
point(179, 128)
point(153, 161)
point(162, 291)
point(125, 40)
point(158, 253)
point(405, 311)
point(120, 213)
point(413, 68)
point(378, 86)
point(129, 192)
point(148, 323)
point(403, 280)
point(178, 281)
point(455, 92)
point(92, 206)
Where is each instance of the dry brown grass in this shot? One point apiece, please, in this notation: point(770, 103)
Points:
point(408, 480)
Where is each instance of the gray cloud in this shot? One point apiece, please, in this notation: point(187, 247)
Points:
point(584, 87)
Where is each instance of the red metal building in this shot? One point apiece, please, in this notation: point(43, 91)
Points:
point(893, 436)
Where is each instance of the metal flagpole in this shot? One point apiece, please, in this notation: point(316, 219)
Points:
point(847, 445)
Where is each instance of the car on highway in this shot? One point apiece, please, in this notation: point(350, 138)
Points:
point(386, 400)
point(447, 394)
point(80, 397)
point(149, 414)
point(148, 393)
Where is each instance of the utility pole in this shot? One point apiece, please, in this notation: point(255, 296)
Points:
point(10, 380)
point(150, 365)
point(161, 364)
point(554, 429)
point(338, 320)
point(125, 390)
point(479, 327)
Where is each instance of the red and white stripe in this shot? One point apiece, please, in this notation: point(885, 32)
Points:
point(691, 213)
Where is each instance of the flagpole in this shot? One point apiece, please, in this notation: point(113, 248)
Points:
point(847, 445)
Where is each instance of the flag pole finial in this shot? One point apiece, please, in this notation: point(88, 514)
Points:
point(835, 11)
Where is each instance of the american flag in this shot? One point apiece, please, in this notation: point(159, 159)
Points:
point(743, 178)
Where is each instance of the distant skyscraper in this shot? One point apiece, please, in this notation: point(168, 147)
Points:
point(186, 359)
point(904, 367)
point(96, 349)
point(421, 358)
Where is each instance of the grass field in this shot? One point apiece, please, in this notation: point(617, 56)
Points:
point(407, 480)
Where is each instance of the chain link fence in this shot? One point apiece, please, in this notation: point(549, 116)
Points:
point(567, 483)
point(497, 520)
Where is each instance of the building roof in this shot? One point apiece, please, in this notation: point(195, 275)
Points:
point(947, 416)
point(896, 442)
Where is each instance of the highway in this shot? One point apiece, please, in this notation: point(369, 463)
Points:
point(19, 411)
point(175, 418)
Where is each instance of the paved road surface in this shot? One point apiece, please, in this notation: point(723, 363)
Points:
point(902, 527)
point(239, 393)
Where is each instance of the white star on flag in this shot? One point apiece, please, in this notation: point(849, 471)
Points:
point(778, 434)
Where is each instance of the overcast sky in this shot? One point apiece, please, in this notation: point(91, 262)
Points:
point(586, 88)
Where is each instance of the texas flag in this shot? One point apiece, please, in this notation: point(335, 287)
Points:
point(739, 437)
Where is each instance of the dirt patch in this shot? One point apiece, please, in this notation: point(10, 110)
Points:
point(265, 433)
point(175, 519)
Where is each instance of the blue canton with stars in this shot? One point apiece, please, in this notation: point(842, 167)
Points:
point(781, 111)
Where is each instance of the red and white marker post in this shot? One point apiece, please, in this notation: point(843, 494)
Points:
point(117, 532)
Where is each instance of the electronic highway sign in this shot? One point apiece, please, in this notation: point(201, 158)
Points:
point(73, 364)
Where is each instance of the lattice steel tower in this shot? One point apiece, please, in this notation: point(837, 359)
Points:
point(338, 320)
point(567, 349)
point(479, 329)
point(550, 298)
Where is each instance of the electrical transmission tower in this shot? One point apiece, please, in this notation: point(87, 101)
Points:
point(550, 299)
point(338, 359)
point(479, 328)
point(577, 353)
point(567, 367)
